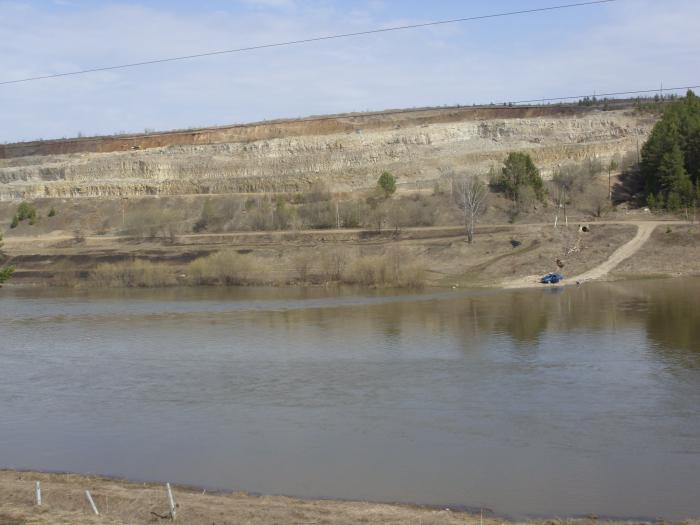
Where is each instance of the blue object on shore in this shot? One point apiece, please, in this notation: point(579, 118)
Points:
point(552, 278)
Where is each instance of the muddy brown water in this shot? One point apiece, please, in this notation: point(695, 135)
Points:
point(531, 402)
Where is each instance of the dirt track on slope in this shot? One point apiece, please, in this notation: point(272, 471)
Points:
point(644, 231)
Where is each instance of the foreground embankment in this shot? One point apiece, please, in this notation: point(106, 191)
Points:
point(121, 502)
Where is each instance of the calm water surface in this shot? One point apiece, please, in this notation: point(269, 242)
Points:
point(527, 402)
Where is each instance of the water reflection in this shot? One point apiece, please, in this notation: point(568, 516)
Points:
point(583, 400)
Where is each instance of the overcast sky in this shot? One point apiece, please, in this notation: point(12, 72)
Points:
point(626, 45)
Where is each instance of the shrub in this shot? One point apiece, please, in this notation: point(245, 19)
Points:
point(318, 215)
point(26, 211)
point(333, 263)
point(519, 174)
point(387, 183)
point(284, 215)
point(52, 212)
point(318, 192)
point(385, 270)
point(204, 218)
point(15, 222)
point(6, 272)
point(303, 263)
point(223, 268)
point(153, 222)
point(132, 274)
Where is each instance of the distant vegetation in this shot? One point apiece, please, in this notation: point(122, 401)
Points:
point(6, 272)
point(520, 181)
point(470, 195)
point(387, 183)
point(230, 268)
point(25, 211)
point(670, 164)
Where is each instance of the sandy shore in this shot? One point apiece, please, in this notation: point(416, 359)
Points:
point(121, 502)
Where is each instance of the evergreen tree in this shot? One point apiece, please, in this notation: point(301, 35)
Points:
point(671, 157)
point(387, 184)
point(674, 179)
point(519, 176)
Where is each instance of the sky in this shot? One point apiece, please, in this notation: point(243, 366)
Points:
point(625, 45)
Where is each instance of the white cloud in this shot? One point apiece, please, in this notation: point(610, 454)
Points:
point(636, 45)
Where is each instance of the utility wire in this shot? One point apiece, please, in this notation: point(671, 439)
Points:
point(599, 95)
point(306, 41)
point(501, 105)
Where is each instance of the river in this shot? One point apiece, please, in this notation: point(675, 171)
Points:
point(529, 402)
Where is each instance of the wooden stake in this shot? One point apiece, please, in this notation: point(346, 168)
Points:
point(38, 494)
point(92, 503)
point(173, 511)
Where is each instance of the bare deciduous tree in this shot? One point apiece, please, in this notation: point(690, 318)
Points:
point(470, 195)
point(564, 182)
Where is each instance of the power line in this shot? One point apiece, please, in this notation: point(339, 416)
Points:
point(496, 105)
point(306, 41)
point(599, 95)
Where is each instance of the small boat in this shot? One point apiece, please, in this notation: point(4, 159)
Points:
point(552, 278)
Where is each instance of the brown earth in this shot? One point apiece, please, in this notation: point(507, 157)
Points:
point(608, 250)
point(672, 250)
point(122, 502)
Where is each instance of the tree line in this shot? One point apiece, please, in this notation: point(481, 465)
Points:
point(670, 163)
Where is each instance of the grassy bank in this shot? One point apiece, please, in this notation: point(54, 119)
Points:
point(121, 503)
point(409, 258)
point(231, 268)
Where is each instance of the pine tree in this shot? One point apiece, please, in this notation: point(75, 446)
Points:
point(518, 174)
point(671, 156)
point(675, 181)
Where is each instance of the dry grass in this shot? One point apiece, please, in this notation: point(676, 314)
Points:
point(123, 503)
point(132, 274)
point(222, 268)
point(670, 251)
point(389, 269)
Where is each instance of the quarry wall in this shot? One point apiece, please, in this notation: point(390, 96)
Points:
point(348, 152)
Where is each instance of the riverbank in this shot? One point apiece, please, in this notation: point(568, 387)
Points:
point(121, 502)
point(502, 255)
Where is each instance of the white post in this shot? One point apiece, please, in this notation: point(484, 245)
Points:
point(38, 494)
point(173, 511)
point(92, 503)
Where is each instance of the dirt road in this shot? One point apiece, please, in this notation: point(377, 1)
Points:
point(644, 231)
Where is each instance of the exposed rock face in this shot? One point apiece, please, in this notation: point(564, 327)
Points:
point(419, 148)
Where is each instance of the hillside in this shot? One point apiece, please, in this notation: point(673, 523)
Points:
point(345, 151)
